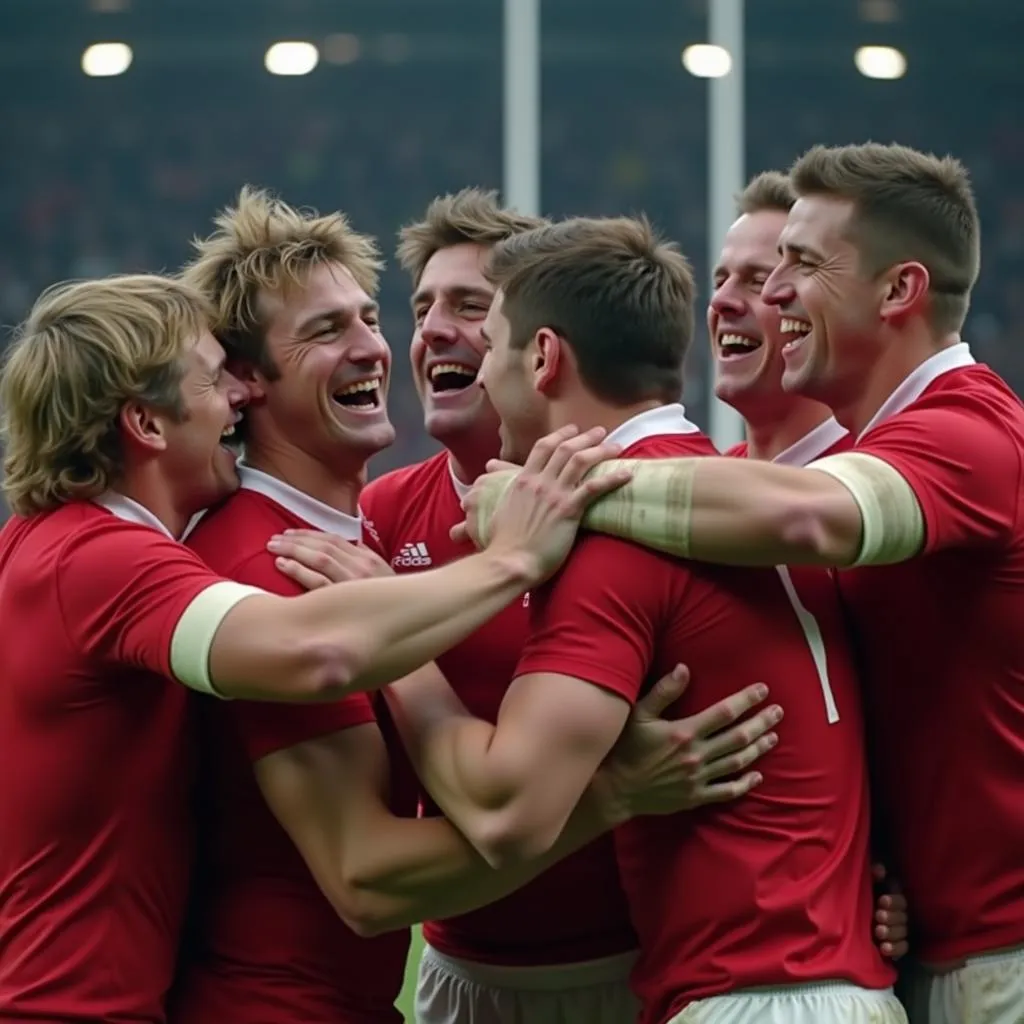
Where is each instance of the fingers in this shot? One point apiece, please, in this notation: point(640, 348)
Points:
point(730, 764)
point(307, 578)
point(500, 465)
point(541, 453)
point(460, 532)
point(728, 710)
point(723, 792)
point(743, 734)
point(666, 691)
point(573, 459)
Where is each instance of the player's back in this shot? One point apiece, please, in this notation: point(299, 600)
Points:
point(96, 762)
point(576, 910)
point(943, 647)
point(772, 889)
point(266, 943)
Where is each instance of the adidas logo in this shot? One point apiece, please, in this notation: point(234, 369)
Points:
point(412, 556)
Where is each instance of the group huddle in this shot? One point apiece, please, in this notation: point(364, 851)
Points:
point(644, 733)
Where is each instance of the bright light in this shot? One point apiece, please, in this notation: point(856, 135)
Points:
point(880, 62)
point(291, 58)
point(102, 60)
point(703, 60)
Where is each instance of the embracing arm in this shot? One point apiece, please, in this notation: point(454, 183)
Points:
point(846, 509)
point(382, 872)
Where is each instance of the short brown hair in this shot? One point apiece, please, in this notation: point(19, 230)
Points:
point(86, 349)
point(471, 216)
point(264, 246)
point(620, 295)
point(769, 190)
point(907, 206)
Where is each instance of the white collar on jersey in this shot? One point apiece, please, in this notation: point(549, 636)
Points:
point(666, 419)
point(913, 386)
point(130, 511)
point(812, 444)
point(461, 489)
point(308, 509)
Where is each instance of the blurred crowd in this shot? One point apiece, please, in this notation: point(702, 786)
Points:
point(114, 179)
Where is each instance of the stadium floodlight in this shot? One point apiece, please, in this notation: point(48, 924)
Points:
point(885, 62)
point(704, 60)
point(103, 60)
point(291, 58)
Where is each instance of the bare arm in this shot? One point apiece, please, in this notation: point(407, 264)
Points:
point(358, 636)
point(382, 872)
point(510, 788)
point(846, 509)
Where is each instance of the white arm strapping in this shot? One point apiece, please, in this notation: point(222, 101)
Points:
point(198, 625)
point(892, 521)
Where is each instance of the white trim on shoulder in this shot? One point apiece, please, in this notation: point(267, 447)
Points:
point(198, 625)
point(666, 419)
point(913, 386)
point(306, 508)
point(813, 444)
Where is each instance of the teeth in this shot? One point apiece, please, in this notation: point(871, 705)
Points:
point(228, 431)
point(438, 368)
point(362, 385)
point(789, 326)
point(738, 341)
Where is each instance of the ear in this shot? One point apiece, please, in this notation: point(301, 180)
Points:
point(250, 376)
point(906, 291)
point(143, 428)
point(546, 361)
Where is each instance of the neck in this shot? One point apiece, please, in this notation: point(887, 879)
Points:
point(337, 487)
point(586, 413)
point(895, 361)
point(470, 453)
point(148, 489)
point(771, 432)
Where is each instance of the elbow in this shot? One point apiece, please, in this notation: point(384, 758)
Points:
point(363, 910)
point(817, 530)
point(328, 669)
point(508, 838)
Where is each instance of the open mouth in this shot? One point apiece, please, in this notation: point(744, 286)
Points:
point(362, 396)
point(733, 346)
point(446, 378)
point(793, 332)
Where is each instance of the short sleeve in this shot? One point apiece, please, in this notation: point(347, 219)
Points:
point(122, 589)
point(599, 618)
point(266, 727)
point(963, 466)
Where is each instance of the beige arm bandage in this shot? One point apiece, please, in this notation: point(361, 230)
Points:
point(198, 625)
point(892, 521)
point(653, 509)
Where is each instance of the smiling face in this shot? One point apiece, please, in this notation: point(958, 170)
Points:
point(330, 396)
point(744, 331)
point(449, 305)
point(829, 309)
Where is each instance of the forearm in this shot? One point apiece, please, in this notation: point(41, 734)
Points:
point(357, 635)
point(727, 511)
point(422, 870)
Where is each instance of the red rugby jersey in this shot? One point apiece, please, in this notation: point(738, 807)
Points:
point(576, 910)
point(775, 888)
point(268, 945)
point(97, 762)
point(943, 648)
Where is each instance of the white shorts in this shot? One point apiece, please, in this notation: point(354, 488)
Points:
point(451, 991)
point(826, 1003)
point(987, 989)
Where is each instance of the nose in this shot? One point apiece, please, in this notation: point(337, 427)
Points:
point(777, 290)
point(436, 328)
point(725, 301)
point(238, 393)
point(370, 346)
